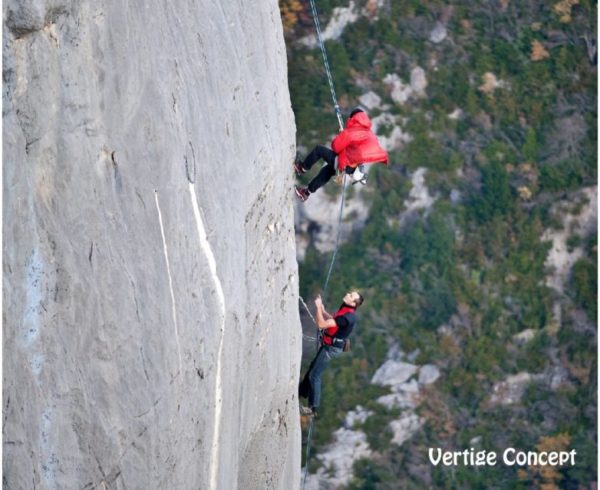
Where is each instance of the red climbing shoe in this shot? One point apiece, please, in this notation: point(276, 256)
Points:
point(302, 193)
point(298, 168)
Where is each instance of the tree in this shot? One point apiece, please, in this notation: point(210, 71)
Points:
point(530, 147)
point(290, 10)
point(585, 283)
point(496, 199)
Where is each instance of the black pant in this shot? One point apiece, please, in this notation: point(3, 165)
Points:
point(326, 172)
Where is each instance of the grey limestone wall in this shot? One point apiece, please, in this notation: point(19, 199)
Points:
point(150, 323)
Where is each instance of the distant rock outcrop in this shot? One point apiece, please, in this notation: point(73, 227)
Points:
point(337, 459)
point(151, 331)
point(584, 220)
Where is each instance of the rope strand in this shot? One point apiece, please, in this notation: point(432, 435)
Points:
point(336, 107)
point(318, 337)
point(308, 444)
point(338, 114)
point(337, 240)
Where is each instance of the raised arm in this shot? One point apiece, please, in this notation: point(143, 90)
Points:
point(341, 141)
point(324, 319)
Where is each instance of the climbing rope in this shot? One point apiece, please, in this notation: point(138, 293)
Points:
point(330, 270)
point(338, 114)
point(335, 249)
point(304, 336)
point(308, 444)
point(318, 337)
point(336, 107)
point(310, 427)
point(337, 240)
point(307, 310)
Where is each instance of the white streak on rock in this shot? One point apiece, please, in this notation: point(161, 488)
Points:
point(34, 295)
point(50, 466)
point(166, 252)
point(212, 265)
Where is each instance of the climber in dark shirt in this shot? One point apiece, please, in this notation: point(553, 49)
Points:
point(336, 330)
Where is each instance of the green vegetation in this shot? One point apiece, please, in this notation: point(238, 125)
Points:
point(585, 285)
point(475, 266)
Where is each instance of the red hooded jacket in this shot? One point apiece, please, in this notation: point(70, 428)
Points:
point(357, 144)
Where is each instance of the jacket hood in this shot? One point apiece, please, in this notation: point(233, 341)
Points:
point(359, 119)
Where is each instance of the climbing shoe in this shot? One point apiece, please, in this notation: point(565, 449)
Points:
point(307, 411)
point(298, 168)
point(302, 193)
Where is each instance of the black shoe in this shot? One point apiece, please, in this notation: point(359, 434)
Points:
point(298, 168)
point(302, 193)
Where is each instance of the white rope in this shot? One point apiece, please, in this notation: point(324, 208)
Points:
point(338, 114)
point(336, 107)
point(337, 240)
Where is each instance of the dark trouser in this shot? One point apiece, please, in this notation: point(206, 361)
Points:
point(311, 384)
point(326, 172)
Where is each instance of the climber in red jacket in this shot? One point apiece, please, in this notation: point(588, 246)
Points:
point(354, 146)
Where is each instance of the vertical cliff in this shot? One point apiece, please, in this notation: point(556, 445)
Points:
point(151, 333)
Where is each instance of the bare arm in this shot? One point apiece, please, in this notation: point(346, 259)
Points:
point(324, 319)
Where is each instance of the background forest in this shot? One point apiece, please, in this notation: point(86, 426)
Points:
point(506, 128)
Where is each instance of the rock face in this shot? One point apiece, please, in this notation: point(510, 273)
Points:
point(151, 332)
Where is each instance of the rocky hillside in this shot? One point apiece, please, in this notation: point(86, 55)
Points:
point(476, 248)
point(150, 325)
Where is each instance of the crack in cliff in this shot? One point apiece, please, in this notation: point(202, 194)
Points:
point(212, 265)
